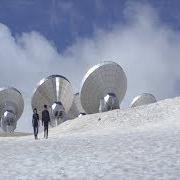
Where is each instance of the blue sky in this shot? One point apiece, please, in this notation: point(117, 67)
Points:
point(39, 38)
point(63, 21)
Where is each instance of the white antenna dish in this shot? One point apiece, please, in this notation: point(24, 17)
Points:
point(143, 99)
point(56, 92)
point(11, 108)
point(76, 108)
point(103, 87)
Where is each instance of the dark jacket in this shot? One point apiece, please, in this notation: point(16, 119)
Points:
point(35, 119)
point(45, 117)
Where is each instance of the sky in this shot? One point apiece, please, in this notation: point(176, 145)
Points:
point(43, 37)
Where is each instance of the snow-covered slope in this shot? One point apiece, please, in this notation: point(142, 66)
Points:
point(137, 143)
point(14, 134)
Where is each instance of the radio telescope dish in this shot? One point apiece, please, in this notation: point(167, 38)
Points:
point(103, 87)
point(76, 108)
point(11, 108)
point(143, 99)
point(56, 92)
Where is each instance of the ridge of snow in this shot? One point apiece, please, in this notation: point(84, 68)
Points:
point(134, 143)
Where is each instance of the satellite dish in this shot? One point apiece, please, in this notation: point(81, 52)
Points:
point(11, 108)
point(103, 87)
point(143, 99)
point(56, 92)
point(76, 108)
point(81, 114)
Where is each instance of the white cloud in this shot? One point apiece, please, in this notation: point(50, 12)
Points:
point(146, 49)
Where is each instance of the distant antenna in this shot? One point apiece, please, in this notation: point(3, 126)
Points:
point(143, 99)
point(11, 108)
point(56, 92)
point(103, 87)
point(76, 108)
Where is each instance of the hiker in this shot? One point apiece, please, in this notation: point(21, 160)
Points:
point(35, 122)
point(45, 121)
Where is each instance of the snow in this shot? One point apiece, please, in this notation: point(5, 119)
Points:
point(137, 143)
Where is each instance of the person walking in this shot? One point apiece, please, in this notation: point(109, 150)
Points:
point(45, 121)
point(35, 122)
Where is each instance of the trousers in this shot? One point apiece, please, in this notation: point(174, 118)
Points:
point(35, 130)
point(45, 130)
